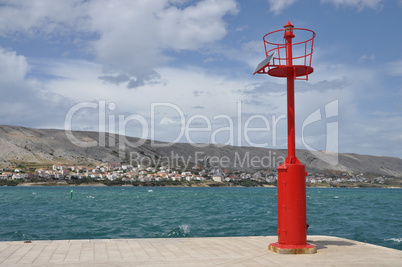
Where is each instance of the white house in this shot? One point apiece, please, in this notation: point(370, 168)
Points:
point(217, 178)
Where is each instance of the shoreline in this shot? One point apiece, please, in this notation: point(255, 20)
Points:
point(204, 184)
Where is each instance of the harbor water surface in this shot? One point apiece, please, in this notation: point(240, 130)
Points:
point(47, 213)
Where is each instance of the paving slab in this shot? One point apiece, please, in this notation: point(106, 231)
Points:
point(207, 251)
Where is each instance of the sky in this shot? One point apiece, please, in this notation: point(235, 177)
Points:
point(182, 71)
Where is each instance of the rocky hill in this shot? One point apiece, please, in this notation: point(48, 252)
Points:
point(21, 145)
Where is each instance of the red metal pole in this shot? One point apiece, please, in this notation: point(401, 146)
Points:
point(290, 96)
point(292, 223)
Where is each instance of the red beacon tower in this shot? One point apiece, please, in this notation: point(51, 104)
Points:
point(281, 62)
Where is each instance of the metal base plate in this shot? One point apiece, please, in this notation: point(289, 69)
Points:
point(292, 249)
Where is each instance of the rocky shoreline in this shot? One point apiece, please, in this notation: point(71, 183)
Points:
point(202, 184)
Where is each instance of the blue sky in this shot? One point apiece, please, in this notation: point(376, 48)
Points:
point(181, 71)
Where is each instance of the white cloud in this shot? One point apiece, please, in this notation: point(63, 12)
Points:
point(41, 18)
point(77, 81)
point(359, 4)
point(376, 135)
point(133, 36)
point(394, 68)
point(194, 26)
point(127, 37)
point(365, 58)
point(278, 6)
point(13, 67)
point(168, 121)
point(23, 100)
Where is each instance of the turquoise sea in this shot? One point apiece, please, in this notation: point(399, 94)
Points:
point(48, 213)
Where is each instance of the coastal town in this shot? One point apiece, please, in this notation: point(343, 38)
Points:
point(120, 174)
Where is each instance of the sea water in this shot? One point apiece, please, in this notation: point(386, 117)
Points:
point(48, 213)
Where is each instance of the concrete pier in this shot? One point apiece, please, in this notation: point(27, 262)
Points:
point(208, 251)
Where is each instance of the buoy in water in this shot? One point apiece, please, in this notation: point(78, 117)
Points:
point(71, 194)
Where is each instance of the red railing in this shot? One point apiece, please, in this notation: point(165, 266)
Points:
point(302, 52)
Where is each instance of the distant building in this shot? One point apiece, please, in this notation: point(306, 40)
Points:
point(127, 167)
point(217, 179)
point(57, 167)
point(17, 176)
point(114, 165)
